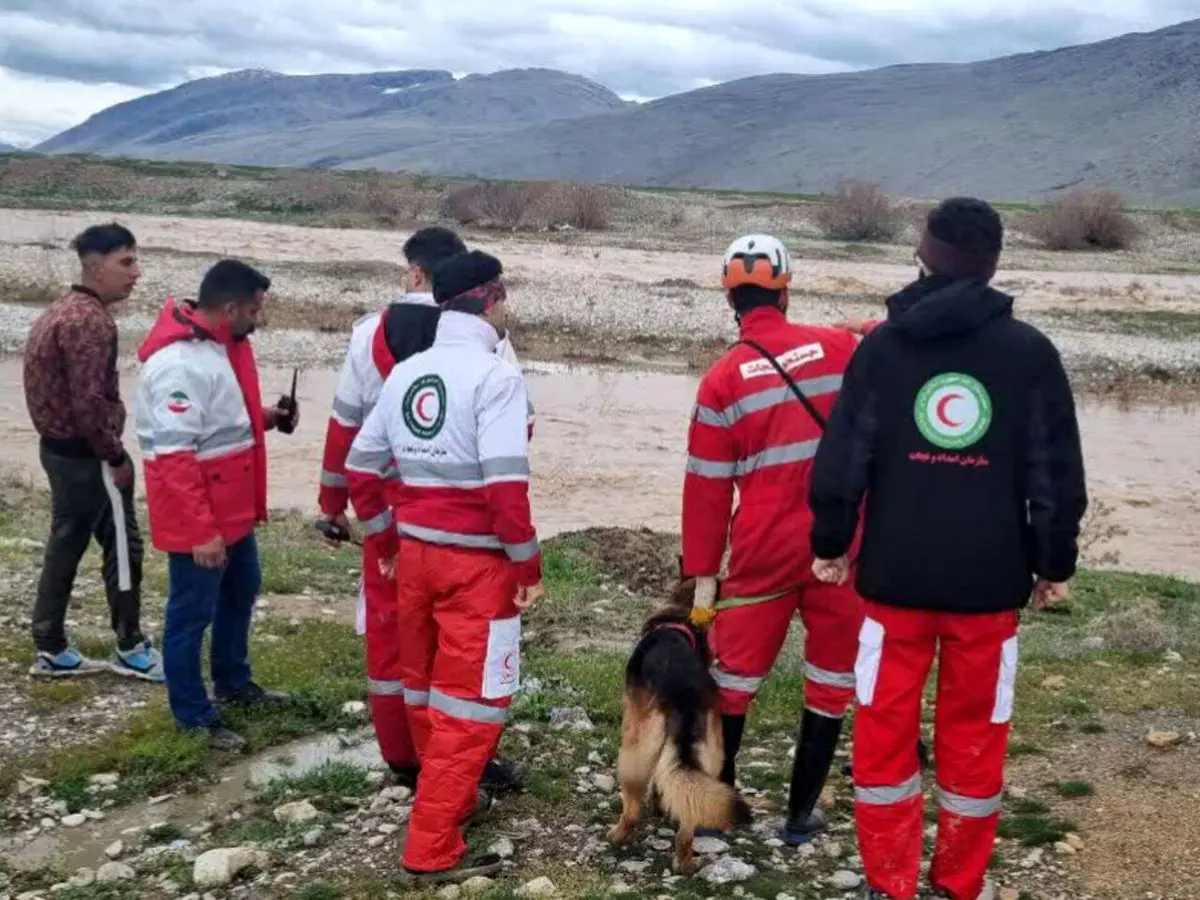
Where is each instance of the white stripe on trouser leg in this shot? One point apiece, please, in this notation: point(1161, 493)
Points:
point(124, 575)
point(467, 710)
point(870, 654)
point(889, 795)
point(969, 807)
point(385, 688)
point(1002, 709)
point(827, 678)
point(743, 684)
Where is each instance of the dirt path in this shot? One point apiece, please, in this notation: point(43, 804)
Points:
point(610, 445)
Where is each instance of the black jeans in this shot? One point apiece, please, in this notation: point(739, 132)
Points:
point(85, 503)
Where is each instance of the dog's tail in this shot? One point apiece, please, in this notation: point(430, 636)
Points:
point(692, 797)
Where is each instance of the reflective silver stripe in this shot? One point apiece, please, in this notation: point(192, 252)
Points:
point(810, 387)
point(708, 416)
point(169, 440)
point(454, 539)
point(467, 709)
point(226, 437)
point(520, 553)
point(741, 683)
point(887, 796)
point(348, 414)
point(505, 468)
point(416, 698)
point(378, 524)
point(708, 469)
point(332, 479)
point(427, 473)
point(385, 688)
point(777, 456)
point(830, 679)
point(969, 807)
point(374, 461)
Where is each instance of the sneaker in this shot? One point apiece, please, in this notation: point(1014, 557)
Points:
point(470, 866)
point(69, 663)
point(251, 695)
point(219, 736)
point(143, 662)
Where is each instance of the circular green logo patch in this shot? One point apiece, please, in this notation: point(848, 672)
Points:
point(425, 406)
point(953, 411)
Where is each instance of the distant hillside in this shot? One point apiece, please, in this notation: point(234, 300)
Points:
point(6, 148)
point(1123, 113)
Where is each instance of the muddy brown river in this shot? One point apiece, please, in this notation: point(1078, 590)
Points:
point(609, 450)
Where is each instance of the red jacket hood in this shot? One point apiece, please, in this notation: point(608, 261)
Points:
point(179, 321)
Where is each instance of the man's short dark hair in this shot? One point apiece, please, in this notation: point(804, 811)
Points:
point(969, 224)
point(750, 296)
point(430, 246)
point(230, 281)
point(103, 240)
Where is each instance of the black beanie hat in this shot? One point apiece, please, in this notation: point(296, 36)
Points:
point(468, 282)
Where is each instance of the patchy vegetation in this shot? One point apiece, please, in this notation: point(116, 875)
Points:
point(859, 211)
point(1086, 220)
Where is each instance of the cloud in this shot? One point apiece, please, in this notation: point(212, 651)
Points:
point(79, 55)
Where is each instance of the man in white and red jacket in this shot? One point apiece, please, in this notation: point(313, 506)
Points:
point(377, 343)
point(201, 427)
point(452, 422)
point(751, 432)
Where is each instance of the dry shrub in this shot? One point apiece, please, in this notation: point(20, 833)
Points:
point(1098, 530)
point(859, 211)
point(1138, 627)
point(587, 207)
point(497, 205)
point(28, 293)
point(1086, 220)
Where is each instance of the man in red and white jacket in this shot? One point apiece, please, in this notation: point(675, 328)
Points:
point(377, 343)
point(201, 427)
point(452, 422)
point(750, 431)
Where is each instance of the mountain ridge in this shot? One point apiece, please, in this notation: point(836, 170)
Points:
point(1122, 113)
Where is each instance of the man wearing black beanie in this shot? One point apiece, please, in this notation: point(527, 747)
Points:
point(453, 420)
point(957, 425)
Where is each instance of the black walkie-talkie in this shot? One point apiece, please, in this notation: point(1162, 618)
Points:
point(287, 408)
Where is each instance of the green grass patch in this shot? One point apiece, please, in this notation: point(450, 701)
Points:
point(47, 695)
point(1073, 790)
point(1035, 831)
point(1027, 807)
point(330, 781)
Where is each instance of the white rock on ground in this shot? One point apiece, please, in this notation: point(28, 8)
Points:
point(539, 887)
point(296, 813)
point(845, 880)
point(503, 848)
point(710, 846)
point(354, 708)
point(83, 878)
point(217, 868)
point(476, 885)
point(114, 850)
point(450, 892)
point(570, 718)
point(105, 779)
point(74, 820)
point(728, 870)
point(112, 872)
point(605, 783)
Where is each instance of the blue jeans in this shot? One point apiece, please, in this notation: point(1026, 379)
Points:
point(196, 598)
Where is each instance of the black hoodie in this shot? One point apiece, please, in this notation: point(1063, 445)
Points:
point(957, 424)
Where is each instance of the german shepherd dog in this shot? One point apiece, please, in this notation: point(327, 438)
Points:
point(671, 743)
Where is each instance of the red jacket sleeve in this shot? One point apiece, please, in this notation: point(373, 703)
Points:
point(708, 484)
point(368, 459)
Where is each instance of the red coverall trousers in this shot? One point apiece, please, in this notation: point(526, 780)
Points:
point(748, 634)
point(976, 672)
point(385, 684)
point(460, 662)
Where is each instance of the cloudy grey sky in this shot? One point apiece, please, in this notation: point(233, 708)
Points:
point(62, 60)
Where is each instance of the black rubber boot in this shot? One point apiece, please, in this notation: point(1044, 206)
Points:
point(503, 777)
point(731, 731)
point(814, 755)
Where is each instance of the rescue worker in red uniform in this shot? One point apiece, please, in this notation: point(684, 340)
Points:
point(452, 420)
point(377, 343)
point(957, 424)
point(750, 430)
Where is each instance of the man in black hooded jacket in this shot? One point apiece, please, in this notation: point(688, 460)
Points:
point(957, 425)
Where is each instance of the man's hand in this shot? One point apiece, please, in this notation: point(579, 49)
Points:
point(1048, 594)
point(831, 571)
point(338, 523)
point(528, 596)
point(210, 555)
point(122, 475)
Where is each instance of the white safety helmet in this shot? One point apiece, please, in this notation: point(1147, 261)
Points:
point(757, 259)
